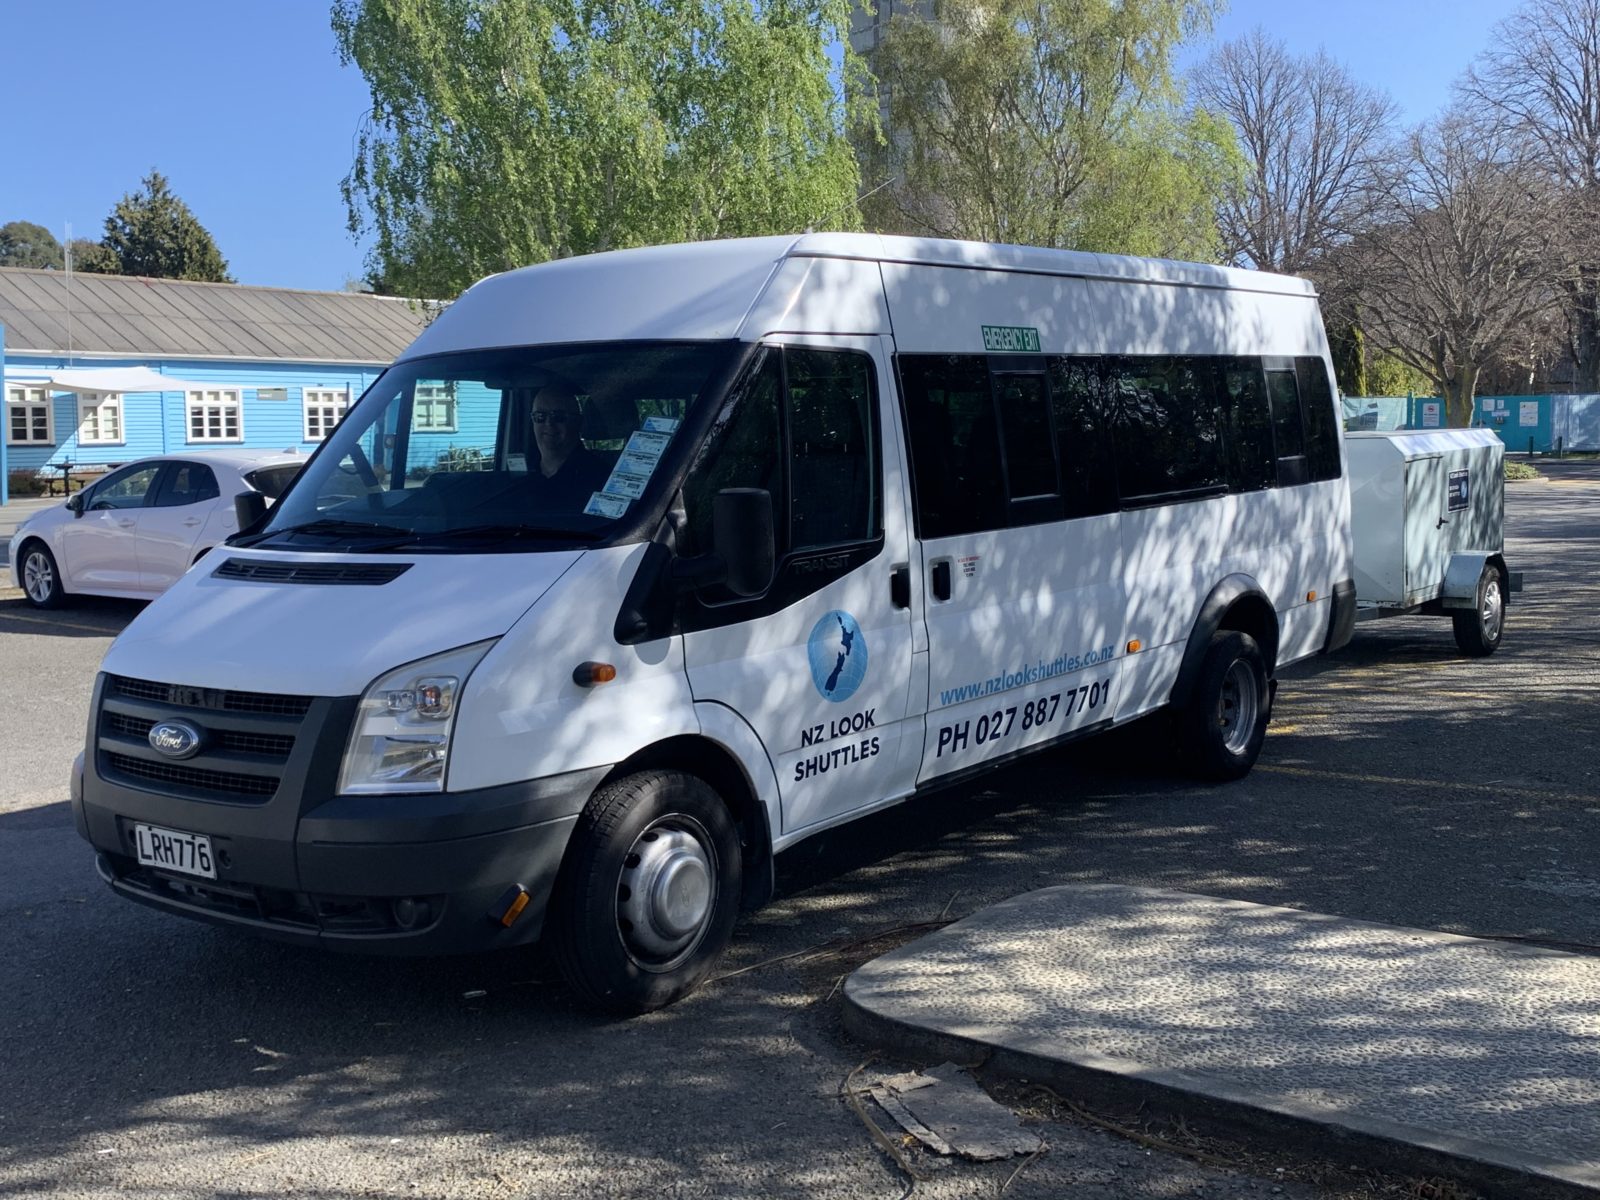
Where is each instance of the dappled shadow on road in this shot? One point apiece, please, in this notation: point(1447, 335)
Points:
point(1478, 1040)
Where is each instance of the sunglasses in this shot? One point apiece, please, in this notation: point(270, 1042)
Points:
point(553, 418)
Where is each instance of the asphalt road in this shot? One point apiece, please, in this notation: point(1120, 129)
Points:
point(142, 1055)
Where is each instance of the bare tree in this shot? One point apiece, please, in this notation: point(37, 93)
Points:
point(1543, 77)
point(1310, 134)
point(1466, 255)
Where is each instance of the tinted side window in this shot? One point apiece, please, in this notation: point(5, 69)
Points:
point(1164, 423)
point(1322, 423)
point(189, 483)
point(1025, 424)
point(834, 497)
point(1287, 430)
point(743, 450)
point(1247, 417)
point(1088, 474)
point(954, 443)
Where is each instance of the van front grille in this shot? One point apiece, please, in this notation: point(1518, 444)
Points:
point(221, 784)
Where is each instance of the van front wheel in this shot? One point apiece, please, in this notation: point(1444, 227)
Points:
point(1225, 721)
point(648, 896)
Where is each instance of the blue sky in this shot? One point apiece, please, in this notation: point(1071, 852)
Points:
point(243, 105)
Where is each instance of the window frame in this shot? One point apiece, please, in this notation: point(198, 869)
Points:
point(97, 402)
point(45, 401)
point(449, 398)
point(319, 399)
point(195, 399)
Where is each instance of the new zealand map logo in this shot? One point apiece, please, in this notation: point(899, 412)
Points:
point(838, 654)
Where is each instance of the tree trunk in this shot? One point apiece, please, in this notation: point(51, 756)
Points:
point(1586, 333)
point(1460, 393)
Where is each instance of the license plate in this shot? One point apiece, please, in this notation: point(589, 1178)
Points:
point(174, 851)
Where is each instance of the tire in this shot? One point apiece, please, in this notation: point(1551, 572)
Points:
point(1478, 630)
point(647, 898)
point(1225, 721)
point(41, 578)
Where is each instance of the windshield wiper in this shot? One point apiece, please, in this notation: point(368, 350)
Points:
point(327, 525)
point(502, 532)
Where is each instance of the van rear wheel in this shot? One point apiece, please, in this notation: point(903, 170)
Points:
point(649, 894)
point(1222, 727)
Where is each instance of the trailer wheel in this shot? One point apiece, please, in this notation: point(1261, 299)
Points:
point(1479, 629)
point(1223, 725)
point(647, 899)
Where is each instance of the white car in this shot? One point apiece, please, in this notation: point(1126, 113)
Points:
point(136, 531)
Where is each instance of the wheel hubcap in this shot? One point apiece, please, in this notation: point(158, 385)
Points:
point(1493, 610)
point(666, 892)
point(38, 580)
point(1238, 706)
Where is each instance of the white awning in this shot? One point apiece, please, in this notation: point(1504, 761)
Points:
point(118, 379)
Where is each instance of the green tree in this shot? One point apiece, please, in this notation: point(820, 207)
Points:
point(1051, 123)
point(509, 132)
point(24, 244)
point(94, 257)
point(152, 232)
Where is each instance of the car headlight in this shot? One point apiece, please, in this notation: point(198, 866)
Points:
point(401, 738)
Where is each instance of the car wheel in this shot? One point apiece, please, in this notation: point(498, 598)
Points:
point(649, 893)
point(1479, 630)
point(1225, 722)
point(41, 578)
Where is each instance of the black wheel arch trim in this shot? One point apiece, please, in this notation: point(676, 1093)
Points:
point(1225, 597)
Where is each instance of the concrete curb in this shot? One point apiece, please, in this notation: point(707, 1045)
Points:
point(1212, 1102)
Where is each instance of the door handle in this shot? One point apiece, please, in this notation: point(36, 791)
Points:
point(192, 521)
point(126, 524)
point(941, 580)
point(900, 586)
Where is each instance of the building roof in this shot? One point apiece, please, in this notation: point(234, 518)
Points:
point(130, 317)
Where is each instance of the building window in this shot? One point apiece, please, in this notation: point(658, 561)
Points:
point(29, 421)
point(214, 416)
point(99, 419)
point(434, 409)
point(323, 407)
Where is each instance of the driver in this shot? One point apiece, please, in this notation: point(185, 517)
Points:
point(568, 473)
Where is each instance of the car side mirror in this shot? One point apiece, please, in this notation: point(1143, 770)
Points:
point(248, 508)
point(75, 504)
point(742, 534)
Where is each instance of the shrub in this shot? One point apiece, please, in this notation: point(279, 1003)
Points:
point(25, 483)
point(1520, 470)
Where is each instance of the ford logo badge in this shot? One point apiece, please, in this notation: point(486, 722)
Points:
point(175, 739)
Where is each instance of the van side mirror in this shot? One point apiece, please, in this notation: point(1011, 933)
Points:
point(248, 508)
point(742, 535)
point(742, 545)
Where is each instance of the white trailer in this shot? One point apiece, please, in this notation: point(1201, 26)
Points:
point(1427, 521)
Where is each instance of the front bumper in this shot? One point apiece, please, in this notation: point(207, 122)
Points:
point(381, 874)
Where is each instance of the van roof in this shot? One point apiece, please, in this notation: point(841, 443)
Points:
point(704, 290)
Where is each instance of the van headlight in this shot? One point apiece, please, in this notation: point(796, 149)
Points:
point(401, 738)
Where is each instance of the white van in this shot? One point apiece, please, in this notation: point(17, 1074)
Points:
point(640, 567)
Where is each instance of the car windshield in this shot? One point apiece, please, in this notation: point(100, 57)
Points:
point(498, 448)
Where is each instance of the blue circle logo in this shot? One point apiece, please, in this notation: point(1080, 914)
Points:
point(838, 654)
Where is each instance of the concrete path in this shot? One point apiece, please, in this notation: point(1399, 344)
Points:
point(1478, 1059)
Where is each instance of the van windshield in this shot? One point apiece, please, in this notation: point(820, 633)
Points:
point(498, 449)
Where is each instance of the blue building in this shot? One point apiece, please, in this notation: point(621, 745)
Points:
point(104, 369)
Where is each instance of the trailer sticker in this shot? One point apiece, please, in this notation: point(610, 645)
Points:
point(838, 655)
point(1458, 491)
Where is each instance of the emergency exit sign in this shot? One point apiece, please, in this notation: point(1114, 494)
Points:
point(1016, 339)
